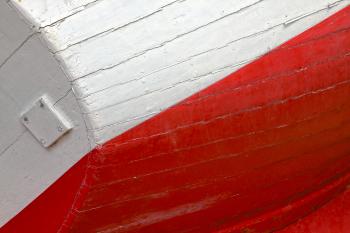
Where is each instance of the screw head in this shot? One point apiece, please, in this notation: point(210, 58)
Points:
point(41, 103)
point(42, 141)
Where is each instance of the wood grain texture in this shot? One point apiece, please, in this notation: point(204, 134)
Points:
point(252, 152)
point(27, 71)
point(129, 61)
point(333, 217)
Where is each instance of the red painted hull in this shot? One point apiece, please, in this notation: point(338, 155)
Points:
point(332, 217)
point(253, 153)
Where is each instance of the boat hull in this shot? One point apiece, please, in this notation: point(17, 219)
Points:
point(251, 152)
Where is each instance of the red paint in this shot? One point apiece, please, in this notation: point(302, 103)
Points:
point(333, 217)
point(48, 211)
point(257, 150)
point(299, 208)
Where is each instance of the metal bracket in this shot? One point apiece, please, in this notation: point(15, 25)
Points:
point(45, 123)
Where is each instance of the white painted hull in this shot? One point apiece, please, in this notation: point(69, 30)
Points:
point(111, 65)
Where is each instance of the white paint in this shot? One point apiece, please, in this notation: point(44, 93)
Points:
point(45, 122)
point(46, 12)
point(10, 37)
point(29, 71)
point(128, 60)
point(68, 32)
point(147, 67)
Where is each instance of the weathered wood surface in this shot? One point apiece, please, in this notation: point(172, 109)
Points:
point(121, 55)
point(123, 70)
point(28, 70)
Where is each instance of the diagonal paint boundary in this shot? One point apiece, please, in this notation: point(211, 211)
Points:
point(75, 175)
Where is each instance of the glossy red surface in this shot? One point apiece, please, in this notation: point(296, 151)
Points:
point(253, 152)
point(334, 217)
point(47, 213)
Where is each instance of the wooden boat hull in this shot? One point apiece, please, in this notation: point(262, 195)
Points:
point(249, 152)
